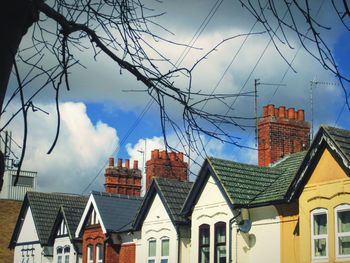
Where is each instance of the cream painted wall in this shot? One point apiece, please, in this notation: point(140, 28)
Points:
point(27, 243)
point(261, 244)
point(64, 242)
point(157, 225)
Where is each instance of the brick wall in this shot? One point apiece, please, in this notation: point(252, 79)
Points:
point(92, 236)
point(127, 253)
point(123, 180)
point(165, 165)
point(281, 132)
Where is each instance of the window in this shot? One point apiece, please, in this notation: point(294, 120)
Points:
point(342, 221)
point(204, 243)
point(99, 253)
point(164, 250)
point(23, 181)
point(66, 251)
point(319, 233)
point(152, 245)
point(59, 254)
point(220, 242)
point(90, 254)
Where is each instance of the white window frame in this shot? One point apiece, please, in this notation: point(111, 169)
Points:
point(90, 251)
point(59, 255)
point(318, 211)
point(98, 248)
point(161, 243)
point(154, 258)
point(340, 208)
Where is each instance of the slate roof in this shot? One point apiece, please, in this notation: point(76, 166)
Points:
point(116, 211)
point(250, 185)
point(172, 193)
point(44, 207)
point(340, 137)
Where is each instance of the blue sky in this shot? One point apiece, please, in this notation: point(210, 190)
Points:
point(98, 112)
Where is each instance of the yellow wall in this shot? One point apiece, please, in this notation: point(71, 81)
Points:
point(289, 218)
point(328, 187)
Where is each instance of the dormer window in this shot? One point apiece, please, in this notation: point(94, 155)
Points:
point(93, 220)
point(62, 231)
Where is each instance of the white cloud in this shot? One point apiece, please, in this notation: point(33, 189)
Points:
point(81, 151)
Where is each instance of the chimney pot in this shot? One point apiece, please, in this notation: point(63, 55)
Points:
point(163, 155)
point(282, 112)
point(136, 164)
point(127, 163)
point(301, 115)
point(172, 156)
point(291, 113)
point(265, 111)
point(180, 156)
point(120, 162)
point(111, 162)
point(271, 110)
point(155, 154)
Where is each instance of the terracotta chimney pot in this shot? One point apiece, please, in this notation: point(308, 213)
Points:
point(111, 162)
point(136, 164)
point(282, 112)
point(120, 162)
point(291, 113)
point(127, 163)
point(301, 115)
point(271, 110)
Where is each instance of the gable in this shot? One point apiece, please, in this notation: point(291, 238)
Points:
point(326, 170)
point(27, 231)
point(62, 229)
point(156, 212)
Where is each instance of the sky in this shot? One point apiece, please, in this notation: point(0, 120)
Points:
point(102, 116)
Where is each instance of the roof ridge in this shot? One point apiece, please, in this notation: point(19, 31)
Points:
point(106, 194)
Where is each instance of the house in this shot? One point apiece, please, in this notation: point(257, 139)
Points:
point(165, 234)
point(66, 248)
point(318, 230)
point(234, 207)
point(30, 239)
point(106, 228)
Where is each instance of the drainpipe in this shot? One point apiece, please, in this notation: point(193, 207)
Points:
point(232, 220)
point(104, 248)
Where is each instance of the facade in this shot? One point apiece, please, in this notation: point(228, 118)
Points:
point(232, 210)
point(30, 239)
point(165, 234)
point(26, 182)
point(106, 228)
point(66, 248)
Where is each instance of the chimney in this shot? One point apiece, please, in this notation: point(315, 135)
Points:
point(165, 165)
point(123, 180)
point(281, 132)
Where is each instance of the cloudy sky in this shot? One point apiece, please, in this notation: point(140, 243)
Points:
point(102, 116)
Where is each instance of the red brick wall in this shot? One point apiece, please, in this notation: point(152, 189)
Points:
point(281, 132)
point(93, 235)
point(127, 253)
point(123, 180)
point(165, 165)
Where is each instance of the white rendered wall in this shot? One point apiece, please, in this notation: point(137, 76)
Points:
point(261, 244)
point(28, 246)
point(157, 225)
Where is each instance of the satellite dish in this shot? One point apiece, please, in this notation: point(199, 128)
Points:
point(245, 225)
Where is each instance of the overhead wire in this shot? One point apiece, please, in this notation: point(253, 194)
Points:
point(199, 31)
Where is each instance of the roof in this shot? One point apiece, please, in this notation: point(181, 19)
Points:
point(44, 207)
point(172, 193)
point(116, 211)
point(71, 215)
point(246, 185)
point(337, 141)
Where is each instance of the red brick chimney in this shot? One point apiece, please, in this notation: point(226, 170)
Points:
point(281, 132)
point(165, 165)
point(123, 180)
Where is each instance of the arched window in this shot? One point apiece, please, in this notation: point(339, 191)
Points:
point(220, 242)
point(164, 250)
point(66, 252)
point(90, 254)
point(59, 251)
point(99, 253)
point(152, 249)
point(319, 233)
point(204, 243)
point(342, 230)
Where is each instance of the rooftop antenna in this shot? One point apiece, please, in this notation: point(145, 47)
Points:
point(256, 84)
point(313, 84)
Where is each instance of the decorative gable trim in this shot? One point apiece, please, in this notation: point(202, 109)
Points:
point(91, 205)
point(323, 140)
